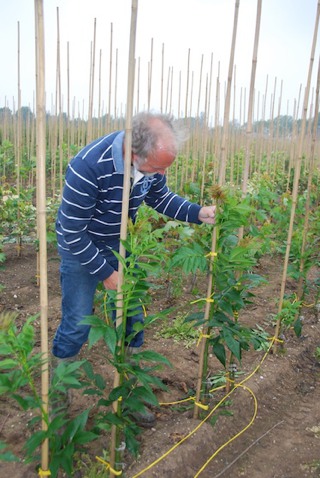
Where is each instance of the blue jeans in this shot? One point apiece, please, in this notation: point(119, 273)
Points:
point(78, 288)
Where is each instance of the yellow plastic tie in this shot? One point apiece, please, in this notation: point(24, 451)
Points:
point(207, 299)
point(42, 472)
point(203, 336)
point(108, 466)
point(200, 405)
point(143, 308)
point(211, 254)
point(273, 339)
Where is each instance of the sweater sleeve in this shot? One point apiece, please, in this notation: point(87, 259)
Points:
point(76, 211)
point(166, 202)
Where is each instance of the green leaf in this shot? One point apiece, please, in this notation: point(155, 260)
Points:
point(82, 437)
point(7, 364)
point(95, 334)
point(145, 395)
point(219, 352)
point(150, 356)
point(7, 455)
point(232, 344)
point(297, 327)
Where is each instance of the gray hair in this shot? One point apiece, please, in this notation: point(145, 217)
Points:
point(145, 136)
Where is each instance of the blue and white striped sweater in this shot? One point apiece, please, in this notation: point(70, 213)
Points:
point(89, 217)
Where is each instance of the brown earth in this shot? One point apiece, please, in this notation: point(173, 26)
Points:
point(283, 440)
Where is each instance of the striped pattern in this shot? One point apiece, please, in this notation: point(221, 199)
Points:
point(89, 217)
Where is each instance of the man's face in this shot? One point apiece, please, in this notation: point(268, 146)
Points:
point(158, 162)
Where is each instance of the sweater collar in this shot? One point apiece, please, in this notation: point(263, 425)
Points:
point(117, 153)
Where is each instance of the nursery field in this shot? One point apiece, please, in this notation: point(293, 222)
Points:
point(282, 441)
point(231, 360)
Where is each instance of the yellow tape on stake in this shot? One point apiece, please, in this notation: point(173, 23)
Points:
point(203, 336)
point(108, 466)
point(211, 254)
point(44, 472)
point(200, 405)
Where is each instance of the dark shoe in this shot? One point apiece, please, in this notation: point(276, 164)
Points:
point(145, 419)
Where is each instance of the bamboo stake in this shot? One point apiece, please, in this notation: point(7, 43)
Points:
point(91, 87)
point(297, 173)
point(187, 86)
point(307, 206)
point(59, 92)
point(271, 139)
point(41, 215)
point(216, 139)
point(264, 102)
point(19, 143)
point(251, 108)
point(138, 86)
point(222, 173)
point(196, 156)
point(116, 85)
point(233, 141)
point(99, 96)
point(150, 75)
point(161, 83)
point(125, 207)
point(248, 136)
point(110, 79)
point(223, 159)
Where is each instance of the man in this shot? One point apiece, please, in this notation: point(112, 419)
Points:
point(89, 217)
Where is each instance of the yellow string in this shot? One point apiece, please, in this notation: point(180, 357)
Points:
point(44, 472)
point(210, 414)
point(200, 405)
point(237, 434)
point(108, 466)
point(308, 305)
point(207, 299)
point(177, 402)
point(274, 339)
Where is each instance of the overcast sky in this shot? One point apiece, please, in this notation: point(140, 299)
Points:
point(203, 26)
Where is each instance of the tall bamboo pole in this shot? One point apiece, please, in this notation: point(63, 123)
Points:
point(138, 86)
point(221, 179)
point(125, 206)
point(308, 198)
point(116, 86)
point(59, 107)
point(150, 75)
point(297, 170)
point(19, 141)
point(251, 107)
point(99, 96)
point(41, 214)
point(161, 83)
point(91, 87)
point(223, 158)
point(110, 79)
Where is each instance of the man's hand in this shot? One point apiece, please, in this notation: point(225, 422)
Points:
point(207, 214)
point(111, 282)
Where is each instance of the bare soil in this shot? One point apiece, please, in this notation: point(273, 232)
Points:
point(282, 442)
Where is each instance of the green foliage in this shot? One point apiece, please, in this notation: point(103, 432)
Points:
point(18, 215)
point(233, 281)
point(20, 372)
point(179, 330)
point(289, 314)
